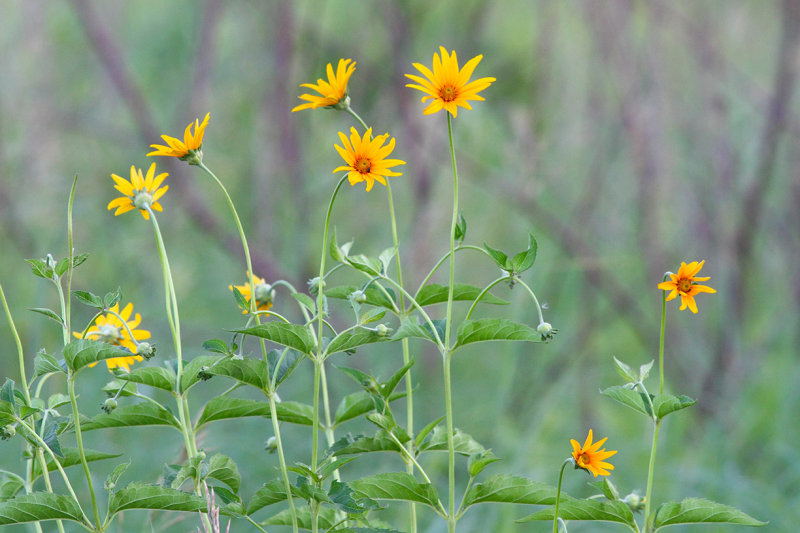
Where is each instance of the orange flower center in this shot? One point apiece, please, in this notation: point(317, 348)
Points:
point(363, 165)
point(583, 459)
point(684, 284)
point(448, 93)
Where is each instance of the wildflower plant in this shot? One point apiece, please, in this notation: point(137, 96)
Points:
point(284, 328)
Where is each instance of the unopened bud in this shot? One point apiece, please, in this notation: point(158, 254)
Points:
point(146, 350)
point(383, 330)
point(109, 405)
point(546, 330)
point(6, 432)
point(271, 445)
point(314, 285)
point(634, 501)
point(358, 296)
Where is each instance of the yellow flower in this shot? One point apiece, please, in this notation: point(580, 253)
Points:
point(139, 192)
point(590, 457)
point(189, 148)
point(366, 158)
point(109, 328)
point(332, 91)
point(448, 86)
point(683, 283)
point(264, 293)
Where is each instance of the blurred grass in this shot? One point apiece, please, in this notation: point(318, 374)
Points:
point(626, 135)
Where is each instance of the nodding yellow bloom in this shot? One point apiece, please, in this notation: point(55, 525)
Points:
point(590, 457)
point(187, 149)
point(109, 328)
point(333, 91)
point(684, 283)
point(366, 158)
point(447, 85)
point(264, 293)
point(139, 192)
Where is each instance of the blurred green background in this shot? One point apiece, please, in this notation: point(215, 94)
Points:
point(627, 135)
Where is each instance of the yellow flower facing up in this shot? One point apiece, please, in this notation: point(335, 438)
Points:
point(447, 85)
point(264, 293)
point(139, 192)
point(109, 328)
point(331, 92)
point(685, 284)
point(366, 158)
point(590, 457)
point(187, 150)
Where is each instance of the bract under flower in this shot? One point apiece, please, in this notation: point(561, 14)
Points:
point(139, 192)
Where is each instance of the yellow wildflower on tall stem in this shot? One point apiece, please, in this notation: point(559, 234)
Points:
point(333, 92)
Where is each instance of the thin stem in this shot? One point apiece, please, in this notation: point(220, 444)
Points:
point(650, 471)
point(661, 340)
point(315, 420)
point(63, 304)
point(79, 438)
point(533, 296)
point(355, 116)
point(558, 495)
point(451, 464)
point(419, 308)
point(71, 257)
point(48, 485)
point(281, 458)
point(18, 342)
point(484, 291)
point(444, 258)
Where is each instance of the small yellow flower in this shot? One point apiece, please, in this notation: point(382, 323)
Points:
point(264, 293)
point(366, 158)
point(333, 91)
point(139, 192)
point(109, 328)
point(187, 150)
point(590, 457)
point(684, 283)
point(447, 85)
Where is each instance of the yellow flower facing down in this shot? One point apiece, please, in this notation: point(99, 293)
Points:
point(187, 150)
point(447, 85)
point(109, 328)
point(685, 284)
point(331, 92)
point(139, 192)
point(366, 158)
point(264, 293)
point(590, 457)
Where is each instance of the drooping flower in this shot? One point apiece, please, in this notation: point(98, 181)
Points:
point(109, 328)
point(366, 158)
point(187, 150)
point(139, 192)
point(590, 457)
point(447, 85)
point(331, 92)
point(685, 284)
point(264, 293)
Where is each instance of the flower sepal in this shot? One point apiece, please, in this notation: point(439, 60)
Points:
point(193, 157)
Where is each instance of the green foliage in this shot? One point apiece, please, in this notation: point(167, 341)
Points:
point(141, 414)
point(82, 352)
point(71, 457)
point(39, 506)
point(495, 329)
point(663, 404)
point(395, 486)
point(505, 488)
point(434, 293)
point(700, 511)
point(289, 335)
point(225, 408)
point(143, 496)
point(599, 510)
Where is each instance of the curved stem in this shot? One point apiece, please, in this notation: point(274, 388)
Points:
point(484, 291)
point(79, 438)
point(444, 258)
point(358, 118)
point(18, 342)
point(558, 495)
point(533, 296)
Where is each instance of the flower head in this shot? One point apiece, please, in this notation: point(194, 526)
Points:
point(264, 293)
point(447, 85)
point(590, 457)
point(366, 158)
point(140, 192)
point(187, 150)
point(109, 328)
point(332, 92)
point(685, 284)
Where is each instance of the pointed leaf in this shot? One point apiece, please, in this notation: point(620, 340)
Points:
point(222, 468)
point(287, 364)
point(633, 399)
point(489, 329)
point(48, 313)
point(599, 510)
point(142, 496)
point(369, 265)
point(217, 346)
point(87, 298)
point(223, 407)
point(665, 404)
point(478, 461)
point(374, 296)
point(152, 376)
point(291, 335)
point(6, 413)
point(499, 257)
point(505, 488)
point(386, 256)
point(251, 372)
point(193, 370)
point(72, 457)
point(524, 260)
point(388, 387)
point(269, 493)
point(343, 497)
point(40, 268)
point(326, 519)
point(45, 363)
point(113, 477)
point(625, 371)
point(305, 300)
point(434, 293)
point(39, 506)
point(141, 414)
point(464, 444)
point(350, 444)
point(701, 511)
point(410, 327)
point(10, 487)
point(82, 352)
point(425, 431)
point(351, 339)
point(395, 486)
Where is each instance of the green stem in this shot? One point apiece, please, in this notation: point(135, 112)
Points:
point(661, 340)
point(419, 308)
point(451, 465)
point(281, 458)
point(79, 438)
point(451, 285)
point(71, 257)
point(315, 421)
point(18, 342)
point(444, 258)
point(355, 116)
point(650, 471)
point(484, 291)
point(558, 495)
point(48, 485)
point(533, 296)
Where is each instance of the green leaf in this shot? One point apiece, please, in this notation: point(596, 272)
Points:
point(372, 315)
point(326, 518)
point(40, 268)
point(495, 329)
point(57, 400)
point(217, 346)
point(434, 293)
point(388, 387)
point(113, 477)
point(425, 431)
point(625, 371)
point(71, 457)
point(395, 486)
point(410, 327)
point(62, 266)
point(350, 444)
point(6, 413)
point(251, 372)
point(505, 488)
point(112, 298)
point(362, 263)
point(141, 414)
point(644, 370)
point(79, 259)
point(499, 257)
point(152, 376)
point(48, 313)
point(351, 339)
point(50, 436)
point(288, 364)
point(305, 300)
point(478, 461)
point(524, 260)
point(598, 510)
point(268, 494)
point(143, 496)
point(10, 487)
point(384, 421)
point(45, 363)
point(339, 253)
point(291, 335)
point(343, 497)
point(374, 296)
point(464, 444)
point(82, 352)
point(633, 399)
point(222, 468)
point(223, 407)
point(39, 506)
point(193, 370)
point(386, 256)
point(352, 406)
point(701, 511)
point(87, 298)
point(460, 231)
point(7, 392)
point(665, 404)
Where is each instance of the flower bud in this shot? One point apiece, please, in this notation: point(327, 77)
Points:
point(146, 350)
point(201, 454)
point(6, 432)
point(358, 296)
point(634, 501)
point(546, 330)
point(109, 405)
point(271, 445)
point(383, 330)
point(314, 285)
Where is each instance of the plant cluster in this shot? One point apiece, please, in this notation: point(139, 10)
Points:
point(318, 494)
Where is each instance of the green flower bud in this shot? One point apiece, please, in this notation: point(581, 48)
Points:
point(109, 405)
point(383, 330)
point(314, 285)
point(271, 445)
point(146, 350)
point(6, 432)
point(546, 331)
point(358, 296)
point(634, 501)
